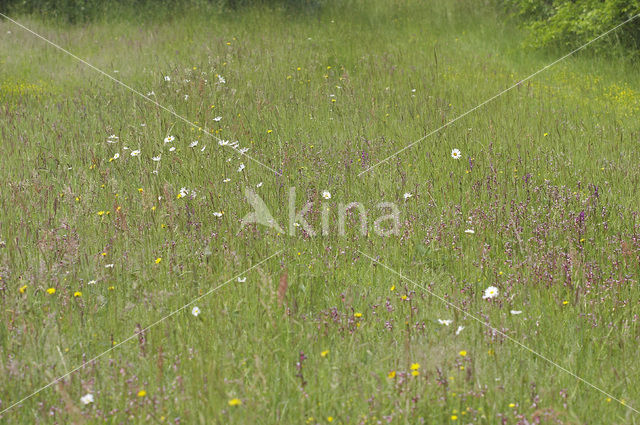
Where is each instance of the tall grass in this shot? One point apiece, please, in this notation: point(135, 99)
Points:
point(548, 182)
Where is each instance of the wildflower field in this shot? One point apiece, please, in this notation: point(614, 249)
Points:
point(488, 274)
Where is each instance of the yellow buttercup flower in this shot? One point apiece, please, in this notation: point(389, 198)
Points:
point(235, 402)
point(51, 291)
point(142, 393)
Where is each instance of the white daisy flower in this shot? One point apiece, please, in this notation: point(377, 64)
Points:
point(445, 322)
point(87, 399)
point(455, 154)
point(515, 312)
point(242, 279)
point(217, 214)
point(470, 231)
point(172, 148)
point(407, 195)
point(151, 93)
point(109, 266)
point(135, 153)
point(156, 158)
point(116, 155)
point(490, 292)
point(227, 180)
point(216, 119)
point(259, 184)
point(183, 192)
point(241, 167)
point(243, 150)
point(155, 172)
point(326, 194)
point(195, 311)
point(223, 142)
point(193, 144)
point(112, 139)
point(167, 78)
point(91, 282)
point(169, 139)
point(460, 328)
point(221, 79)
point(186, 97)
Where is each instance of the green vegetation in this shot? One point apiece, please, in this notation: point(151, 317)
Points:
point(571, 23)
point(95, 245)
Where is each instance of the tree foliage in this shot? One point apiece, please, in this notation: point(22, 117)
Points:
point(571, 23)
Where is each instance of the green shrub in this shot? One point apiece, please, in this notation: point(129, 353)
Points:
point(571, 23)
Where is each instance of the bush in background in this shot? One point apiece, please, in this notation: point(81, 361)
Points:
point(571, 23)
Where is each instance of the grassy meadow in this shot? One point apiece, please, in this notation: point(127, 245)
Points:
point(102, 236)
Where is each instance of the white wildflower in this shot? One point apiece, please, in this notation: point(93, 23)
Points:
point(490, 292)
point(87, 399)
